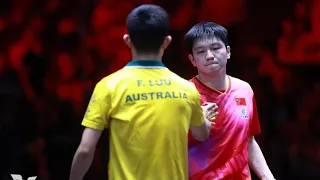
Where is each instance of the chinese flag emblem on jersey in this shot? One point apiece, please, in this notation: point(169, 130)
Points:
point(241, 101)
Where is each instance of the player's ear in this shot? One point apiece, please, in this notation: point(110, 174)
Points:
point(126, 39)
point(166, 42)
point(192, 60)
point(228, 52)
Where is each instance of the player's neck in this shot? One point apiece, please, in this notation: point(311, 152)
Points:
point(150, 56)
point(218, 82)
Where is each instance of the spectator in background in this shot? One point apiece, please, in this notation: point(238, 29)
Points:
point(226, 14)
point(293, 30)
point(308, 45)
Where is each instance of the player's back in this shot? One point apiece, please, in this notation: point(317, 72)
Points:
point(150, 118)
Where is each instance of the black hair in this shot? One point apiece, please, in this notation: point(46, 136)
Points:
point(148, 25)
point(205, 30)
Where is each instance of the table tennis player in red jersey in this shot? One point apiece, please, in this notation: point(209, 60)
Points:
point(231, 147)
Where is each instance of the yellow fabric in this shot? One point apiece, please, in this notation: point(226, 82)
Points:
point(148, 111)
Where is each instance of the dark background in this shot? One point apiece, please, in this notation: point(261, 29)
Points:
point(52, 52)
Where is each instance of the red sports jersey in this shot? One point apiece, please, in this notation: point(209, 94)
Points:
point(225, 154)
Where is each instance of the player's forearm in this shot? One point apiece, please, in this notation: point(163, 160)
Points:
point(80, 164)
point(257, 161)
point(208, 128)
point(202, 132)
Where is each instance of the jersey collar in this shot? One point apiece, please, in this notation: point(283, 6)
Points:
point(145, 64)
point(228, 79)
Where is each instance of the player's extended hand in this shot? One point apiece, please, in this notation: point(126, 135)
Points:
point(209, 110)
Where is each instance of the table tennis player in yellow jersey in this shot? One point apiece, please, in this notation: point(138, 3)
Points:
point(147, 108)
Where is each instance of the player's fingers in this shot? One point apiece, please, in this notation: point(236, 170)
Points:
point(212, 123)
point(204, 103)
point(214, 114)
point(211, 115)
point(215, 107)
point(211, 106)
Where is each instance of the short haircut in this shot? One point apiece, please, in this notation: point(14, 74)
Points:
point(148, 25)
point(205, 30)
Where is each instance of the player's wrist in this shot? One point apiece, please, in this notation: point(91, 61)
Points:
point(209, 123)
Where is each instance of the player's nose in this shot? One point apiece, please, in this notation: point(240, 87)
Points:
point(210, 55)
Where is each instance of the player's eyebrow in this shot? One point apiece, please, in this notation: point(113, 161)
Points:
point(203, 46)
point(216, 44)
point(198, 47)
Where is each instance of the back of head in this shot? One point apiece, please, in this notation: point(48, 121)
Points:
point(205, 30)
point(148, 25)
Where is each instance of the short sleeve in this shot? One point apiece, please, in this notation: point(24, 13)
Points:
point(254, 128)
point(197, 117)
point(98, 111)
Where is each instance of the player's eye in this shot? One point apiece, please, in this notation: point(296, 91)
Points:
point(200, 52)
point(215, 48)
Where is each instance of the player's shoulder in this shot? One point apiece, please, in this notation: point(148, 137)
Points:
point(239, 83)
point(194, 82)
point(184, 82)
point(112, 79)
point(193, 79)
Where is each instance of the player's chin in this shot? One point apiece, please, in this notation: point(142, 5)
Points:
point(213, 68)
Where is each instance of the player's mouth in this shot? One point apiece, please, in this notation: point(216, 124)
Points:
point(211, 63)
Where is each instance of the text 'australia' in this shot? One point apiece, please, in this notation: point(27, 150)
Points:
point(156, 96)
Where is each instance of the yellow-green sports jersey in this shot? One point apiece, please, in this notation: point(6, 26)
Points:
point(148, 110)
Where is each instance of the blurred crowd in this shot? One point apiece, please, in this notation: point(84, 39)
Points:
point(52, 52)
